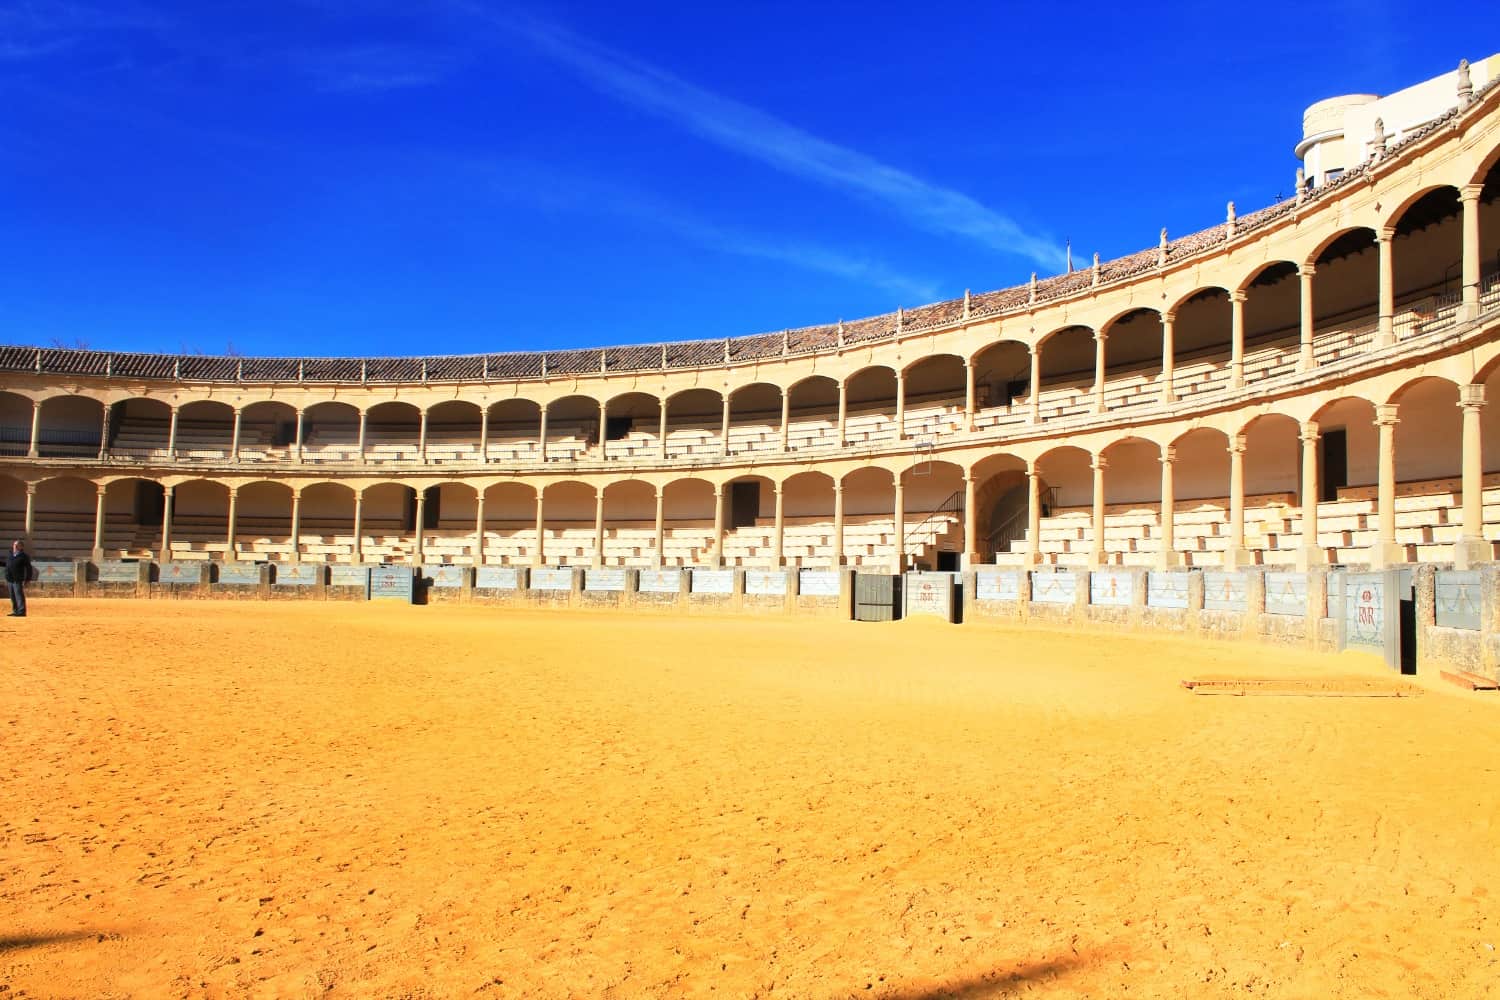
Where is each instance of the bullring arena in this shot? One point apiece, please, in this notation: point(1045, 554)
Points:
point(631, 742)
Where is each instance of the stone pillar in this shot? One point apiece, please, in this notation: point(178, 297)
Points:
point(1386, 333)
point(36, 427)
point(1469, 196)
point(1096, 544)
point(718, 554)
point(843, 410)
point(604, 429)
point(364, 421)
point(900, 406)
point(1237, 338)
point(422, 438)
point(1168, 360)
point(661, 527)
point(479, 529)
point(1385, 551)
point(99, 523)
point(359, 526)
point(541, 440)
point(484, 434)
point(599, 526)
point(724, 428)
point(30, 523)
point(234, 440)
point(1311, 554)
point(104, 433)
point(1305, 361)
point(230, 555)
point(166, 524)
point(539, 551)
point(778, 539)
point(1035, 386)
point(838, 524)
point(296, 539)
point(1471, 548)
point(661, 432)
point(419, 523)
point(1235, 556)
point(969, 395)
point(297, 443)
point(900, 528)
point(172, 434)
point(971, 523)
point(1169, 556)
point(1033, 517)
point(1099, 339)
point(786, 417)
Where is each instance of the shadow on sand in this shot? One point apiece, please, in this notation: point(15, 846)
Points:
point(1002, 981)
point(21, 942)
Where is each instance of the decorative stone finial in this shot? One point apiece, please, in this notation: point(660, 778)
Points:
point(841, 331)
point(1095, 279)
point(1161, 249)
point(1465, 85)
point(1301, 185)
point(786, 342)
point(1070, 256)
point(900, 318)
point(1377, 143)
point(1229, 219)
point(966, 303)
point(1031, 297)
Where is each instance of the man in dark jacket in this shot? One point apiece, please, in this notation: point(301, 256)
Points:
point(17, 573)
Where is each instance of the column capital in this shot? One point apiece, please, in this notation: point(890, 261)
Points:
point(101, 490)
point(1239, 295)
point(718, 491)
point(1470, 192)
point(1385, 234)
point(1386, 415)
point(166, 491)
point(1034, 350)
point(1168, 455)
point(234, 492)
point(1099, 463)
point(1169, 316)
point(36, 404)
point(1101, 335)
point(297, 495)
point(777, 488)
point(1307, 270)
point(1309, 432)
point(1237, 444)
point(838, 487)
point(31, 489)
point(1471, 396)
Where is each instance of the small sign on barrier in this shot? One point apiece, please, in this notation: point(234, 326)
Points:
point(552, 578)
point(391, 583)
point(444, 576)
point(1225, 591)
point(606, 580)
point(930, 595)
point(498, 578)
point(1167, 590)
point(1457, 593)
point(818, 583)
point(119, 571)
point(179, 571)
point(659, 581)
point(348, 576)
point(298, 574)
point(1110, 588)
point(713, 581)
point(1060, 587)
point(53, 571)
point(239, 574)
point(765, 582)
point(1004, 585)
point(1286, 594)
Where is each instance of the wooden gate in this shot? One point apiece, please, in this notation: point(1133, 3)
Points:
point(877, 597)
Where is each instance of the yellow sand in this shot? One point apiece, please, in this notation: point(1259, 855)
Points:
point(293, 800)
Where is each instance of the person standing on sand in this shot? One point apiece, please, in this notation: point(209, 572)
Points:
point(17, 573)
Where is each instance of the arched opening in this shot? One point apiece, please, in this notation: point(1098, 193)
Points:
point(693, 418)
point(515, 430)
point(1273, 319)
point(814, 413)
point(1345, 293)
point(267, 429)
point(1429, 469)
point(1348, 477)
point(870, 414)
point(453, 432)
point(64, 510)
point(568, 538)
point(13, 510)
point(629, 524)
point(754, 418)
point(934, 525)
point(1132, 503)
point(1001, 501)
point(935, 390)
point(330, 433)
point(1272, 470)
point(1133, 359)
point(1066, 491)
point(1427, 263)
point(1202, 337)
point(263, 521)
point(327, 528)
point(1002, 377)
point(869, 519)
point(807, 499)
point(139, 428)
point(572, 428)
point(388, 523)
point(393, 432)
point(200, 520)
point(70, 427)
point(1489, 236)
point(1200, 496)
point(689, 513)
point(749, 521)
point(15, 424)
point(1066, 371)
point(205, 430)
point(509, 524)
point(450, 513)
point(632, 427)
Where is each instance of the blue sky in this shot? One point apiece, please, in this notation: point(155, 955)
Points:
point(460, 176)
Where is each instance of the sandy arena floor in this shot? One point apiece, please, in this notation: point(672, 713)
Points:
point(297, 800)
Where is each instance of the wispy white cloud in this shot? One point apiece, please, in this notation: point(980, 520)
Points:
point(545, 188)
point(39, 29)
point(754, 133)
point(365, 69)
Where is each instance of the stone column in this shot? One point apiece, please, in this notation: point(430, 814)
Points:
point(1469, 196)
point(30, 523)
point(838, 525)
point(234, 440)
point(1235, 557)
point(1471, 548)
point(778, 538)
point(1385, 551)
point(36, 428)
point(718, 554)
point(230, 555)
point(539, 550)
point(661, 526)
point(1305, 360)
point(1169, 556)
point(900, 406)
point(1033, 517)
point(296, 539)
point(364, 421)
point(1237, 338)
point(297, 443)
point(900, 528)
point(484, 434)
point(541, 441)
point(479, 529)
point(419, 523)
point(166, 523)
point(422, 438)
point(359, 526)
point(103, 491)
point(1311, 554)
point(969, 395)
point(104, 433)
point(843, 410)
point(1035, 386)
point(724, 428)
point(1168, 359)
point(1099, 359)
point(971, 523)
point(172, 434)
point(1096, 550)
point(661, 432)
point(599, 526)
point(604, 429)
point(786, 417)
point(1386, 333)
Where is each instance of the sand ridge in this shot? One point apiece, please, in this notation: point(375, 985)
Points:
point(206, 799)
